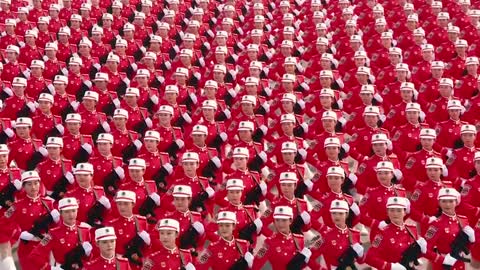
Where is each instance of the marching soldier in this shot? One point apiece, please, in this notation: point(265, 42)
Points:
point(133, 241)
point(25, 149)
point(78, 147)
point(55, 170)
point(32, 216)
point(106, 241)
point(169, 255)
point(158, 163)
point(69, 242)
point(449, 236)
point(126, 143)
point(424, 201)
point(108, 168)
point(389, 245)
point(95, 206)
point(146, 190)
point(337, 242)
point(283, 248)
point(9, 181)
point(192, 230)
point(228, 252)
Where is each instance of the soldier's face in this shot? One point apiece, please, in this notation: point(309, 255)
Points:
point(136, 174)
point(362, 78)
point(412, 116)
point(167, 237)
point(287, 189)
point(360, 61)
point(287, 127)
point(50, 53)
point(234, 196)
point(164, 118)
point(394, 58)
point(251, 89)
point(226, 229)
point(339, 218)
point(120, 122)
point(198, 139)
point(386, 42)
point(240, 163)
point(472, 69)
point(3, 160)
point(54, 152)
point(104, 148)
point(208, 113)
point(332, 152)
point(181, 203)
point(74, 68)
point(454, 114)
point(468, 139)
point(23, 132)
point(379, 148)
point(84, 180)
point(44, 106)
point(385, 178)
point(366, 97)
point(247, 108)
point(73, 127)
point(289, 68)
point(335, 182)
point(69, 216)
point(396, 215)
point(125, 208)
point(477, 166)
point(282, 225)
point(287, 106)
point(32, 188)
point(326, 82)
point(326, 101)
point(151, 145)
point(401, 74)
point(107, 248)
point(448, 206)
point(131, 100)
point(445, 90)
point(437, 72)
point(428, 55)
point(287, 85)
point(245, 135)
point(288, 157)
point(427, 143)
point(190, 168)
point(328, 124)
point(142, 80)
point(434, 173)
point(254, 72)
point(60, 87)
point(219, 76)
point(406, 94)
point(371, 120)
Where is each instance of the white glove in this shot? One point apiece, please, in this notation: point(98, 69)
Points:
point(87, 147)
point(106, 126)
point(51, 89)
point(309, 184)
point(449, 260)
point(154, 99)
point(189, 266)
point(105, 202)
point(43, 151)
point(305, 217)
point(227, 113)
point(259, 224)
point(56, 268)
point(423, 244)
point(138, 144)
point(87, 247)
point(120, 172)
point(264, 129)
point(432, 219)
point(148, 121)
point(224, 136)
point(249, 258)
point(18, 184)
point(302, 153)
point(389, 145)
point(168, 167)
point(116, 102)
point(193, 97)
point(358, 249)
point(304, 127)
point(70, 177)
point(355, 209)
point(398, 174)
point(346, 147)
point(263, 156)
point(217, 162)
point(155, 198)
point(31, 106)
point(8, 91)
point(382, 225)
point(398, 266)
point(60, 128)
point(55, 215)
point(9, 132)
point(187, 117)
point(263, 187)
point(198, 227)
point(471, 234)
point(210, 192)
point(307, 253)
point(179, 143)
point(27, 236)
point(74, 105)
point(353, 178)
point(88, 84)
point(145, 237)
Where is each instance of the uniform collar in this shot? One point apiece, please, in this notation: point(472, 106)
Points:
point(185, 214)
point(343, 231)
point(86, 189)
point(128, 218)
point(34, 199)
point(109, 260)
point(287, 199)
point(4, 170)
point(70, 227)
point(231, 242)
point(428, 151)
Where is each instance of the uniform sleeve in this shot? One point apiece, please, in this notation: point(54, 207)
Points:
point(374, 256)
point(432, 236)
point(40, 255)
point(262, 256)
